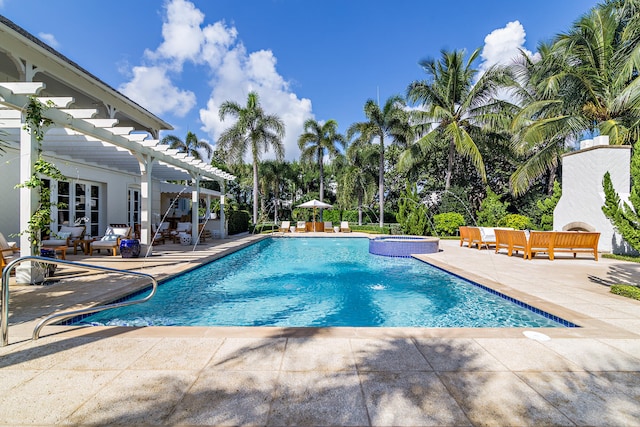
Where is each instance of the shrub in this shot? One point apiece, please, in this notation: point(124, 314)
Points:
point(332, 215)
point(628, 291)
point(238, 222)
point(370, 229)
point(412, 214)
point(546, 207)
point(446, 224)
point(350, 215)
point(516, 221)
point(492, 210)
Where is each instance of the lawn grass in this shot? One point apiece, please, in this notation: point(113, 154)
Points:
point(622, 257)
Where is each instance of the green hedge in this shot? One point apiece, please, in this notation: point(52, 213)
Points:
point(628, 291)
point(238, 222)
point(371, 229)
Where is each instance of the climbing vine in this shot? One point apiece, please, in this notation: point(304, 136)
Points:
point(36, 124)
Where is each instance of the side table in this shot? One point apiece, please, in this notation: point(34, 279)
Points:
point(84, 244)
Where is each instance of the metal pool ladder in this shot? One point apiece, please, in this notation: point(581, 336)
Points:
point(4, 293)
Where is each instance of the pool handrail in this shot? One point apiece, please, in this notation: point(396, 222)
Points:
point(4, 292)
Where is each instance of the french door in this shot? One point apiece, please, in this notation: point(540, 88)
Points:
point(80, 203)
point(133, 209)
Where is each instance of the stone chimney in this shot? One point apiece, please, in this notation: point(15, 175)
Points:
point(580, 207)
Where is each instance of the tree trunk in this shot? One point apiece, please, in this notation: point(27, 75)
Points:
point(360, 208)
point(381, 181)
point(255, 190)
point(321, 164)
point(447, 181)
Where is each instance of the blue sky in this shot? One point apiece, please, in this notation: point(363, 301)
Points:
point(318, 59)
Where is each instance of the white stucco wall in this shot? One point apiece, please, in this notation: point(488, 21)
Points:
point(582, 193)
point(114, 185)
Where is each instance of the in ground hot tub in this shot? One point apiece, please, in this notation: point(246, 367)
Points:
point(403, 246)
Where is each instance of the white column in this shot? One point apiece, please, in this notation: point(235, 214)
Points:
point(195, 205)
point(223, 229)
point(146, 193)
point(28, 198)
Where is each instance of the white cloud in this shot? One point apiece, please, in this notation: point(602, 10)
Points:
point(152, 88)
point(233, 73)
point(49, 39)
point(503, 45)
point(240, 74)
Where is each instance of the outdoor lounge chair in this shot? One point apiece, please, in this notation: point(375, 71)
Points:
point(480, 237)
point(328, 227)
point(540, 241)
point(111, 240)
point(66, 236)
point(7, 251)
point(301, 227)
point(464, 235)
point(503, 240)
point(344, 227)
point(285, 226)
point(181, 227)
point(157, 236)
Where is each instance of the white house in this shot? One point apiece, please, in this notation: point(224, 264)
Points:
point(103, 142)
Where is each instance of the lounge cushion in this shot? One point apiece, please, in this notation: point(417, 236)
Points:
point(76, 231)
point(54, 242)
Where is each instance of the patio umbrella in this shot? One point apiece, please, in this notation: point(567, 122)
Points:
point(315, 204)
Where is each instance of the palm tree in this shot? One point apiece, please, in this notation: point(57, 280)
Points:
point(586, 82)
point(191, 145)
point(318, 140)
point(455, 109)
point(392, 121)
point(539, 109)
point(254, 130)
point(358, 177)
point(271, 178)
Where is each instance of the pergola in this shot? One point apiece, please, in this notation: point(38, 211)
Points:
point(92, 123)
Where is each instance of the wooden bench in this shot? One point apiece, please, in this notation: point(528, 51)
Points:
point(577, 241)
point(549, 242)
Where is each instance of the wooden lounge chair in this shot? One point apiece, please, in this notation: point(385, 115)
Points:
point(328, 227)
point(464, 235)
point(285, 226)
point(344, 227)
point(518, 242)
point(540, 241)
point(503, 240)
point(301, 227)
point(480, 237)
point(66, 236)
point(111, 240)
point(7, 252)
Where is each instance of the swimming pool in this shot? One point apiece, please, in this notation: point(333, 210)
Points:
point(322, 282)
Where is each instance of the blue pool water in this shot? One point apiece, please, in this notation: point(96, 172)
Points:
point(321, 282)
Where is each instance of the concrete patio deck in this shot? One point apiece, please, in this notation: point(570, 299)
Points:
point(333, 376)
